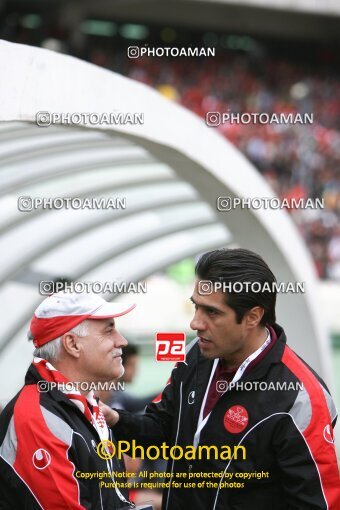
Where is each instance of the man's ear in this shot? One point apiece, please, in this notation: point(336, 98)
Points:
point(254, 316)
point(71, 344)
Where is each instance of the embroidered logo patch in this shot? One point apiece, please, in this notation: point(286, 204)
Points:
point(235, 419)
point(328, 434)
point(41, 459)
point(191, 397)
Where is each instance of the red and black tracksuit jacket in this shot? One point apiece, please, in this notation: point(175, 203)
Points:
point(289, 434)
point(46, 441)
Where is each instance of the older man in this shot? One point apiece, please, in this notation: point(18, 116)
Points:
point(51, 429)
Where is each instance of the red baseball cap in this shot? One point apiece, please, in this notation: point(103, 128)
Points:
point(62, 311)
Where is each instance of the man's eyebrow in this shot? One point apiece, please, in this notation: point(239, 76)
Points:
point(206, 307)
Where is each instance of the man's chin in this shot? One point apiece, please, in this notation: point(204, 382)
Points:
point(121, 373)
point(208, 354)
point(107, 379)
point(113, 374)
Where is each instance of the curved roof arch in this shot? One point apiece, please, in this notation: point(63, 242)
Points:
point(81, 185)
point(46, 81)
point(50, 229)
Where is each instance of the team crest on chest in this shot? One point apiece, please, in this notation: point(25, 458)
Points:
point(236, 419)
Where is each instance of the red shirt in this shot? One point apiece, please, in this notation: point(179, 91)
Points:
point(223, 374)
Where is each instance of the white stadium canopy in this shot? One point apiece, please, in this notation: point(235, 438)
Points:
point(170, 169)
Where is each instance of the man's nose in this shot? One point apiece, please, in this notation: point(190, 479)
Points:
point(197, 322)
point(119, 340)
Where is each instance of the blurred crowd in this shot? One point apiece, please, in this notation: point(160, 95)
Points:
point(298, 161)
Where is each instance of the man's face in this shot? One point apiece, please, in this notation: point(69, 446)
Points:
point(101, 351)
point(215, 322)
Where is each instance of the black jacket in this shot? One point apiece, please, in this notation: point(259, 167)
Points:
point(288, 435)
point(46, 443)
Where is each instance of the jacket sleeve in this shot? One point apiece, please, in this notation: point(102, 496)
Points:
point(307, 487)
point(304, 444)
point(155, 425)
point(36, 448)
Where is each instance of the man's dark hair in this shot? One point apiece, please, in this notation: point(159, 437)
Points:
point(240, 265)
point(128, 351)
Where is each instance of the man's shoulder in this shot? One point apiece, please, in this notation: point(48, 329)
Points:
point(292, 362)
point(6, 416)
point(29, 406)
point(314, 393)
point(31, 414)
point(192, 356)
point(300, 368)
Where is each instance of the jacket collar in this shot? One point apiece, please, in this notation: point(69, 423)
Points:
point(33, 377)
point(273, 356)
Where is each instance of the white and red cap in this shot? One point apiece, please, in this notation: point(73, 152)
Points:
point(62, 311)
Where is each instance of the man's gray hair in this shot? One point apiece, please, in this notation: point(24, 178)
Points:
point(51, 351)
